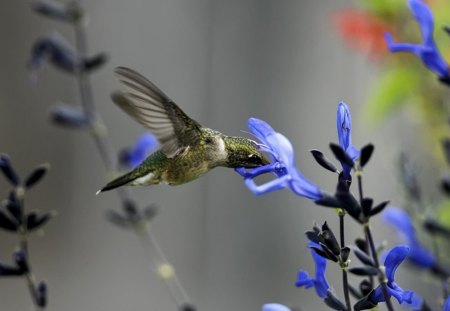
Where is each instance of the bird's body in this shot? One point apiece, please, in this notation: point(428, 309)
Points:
point(188, 150)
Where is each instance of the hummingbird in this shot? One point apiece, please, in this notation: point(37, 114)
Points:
point(188, 150)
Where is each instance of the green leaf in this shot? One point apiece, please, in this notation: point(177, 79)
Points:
point(384, 7)
point(390, 92)
point(443, 213)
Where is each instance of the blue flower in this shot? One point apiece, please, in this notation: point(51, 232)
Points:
point(282, 166)
point(145, 145)
point(418, 254)
point(393, 260)
point(275, 307)
point(320, 282)
point(344, 130)
point(447, 304)
point(427, 51)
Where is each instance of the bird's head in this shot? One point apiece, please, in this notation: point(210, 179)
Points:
point(243, 152)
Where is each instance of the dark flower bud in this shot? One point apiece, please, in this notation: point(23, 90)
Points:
point(446, 147)
point(53, 49)
point(333, 302)
point(95, 62)
point(323, 161)
point(15, 210)
point(7, 223)
point(328, 200)
point(445, 185)
point(68, 116)
point(130, 208)
point(364, 304)
point(7, 270)
point(21, 260)
point(366, 153)
point(36, 175)
point(379, 208)
point(330, 240)
point(362, 245)
point(440, 271)
point(355, 292)
point(150, 212)
point(345, 253)
point(324, 252)
point(446, 28)
point(314, 237)
point(425, 307)
point(316, 228)
point(365, 287)
point(36, 221)
point(363, 257)
point(118, 219)
point(341, 155)
point(187, 307)
point(364, 271)
point(349, 204)
point(8, 171)
point(366, 206)
point(41, 294)
point(56, 50)
point(56, 10)
point(344, 182)
point(434, 227)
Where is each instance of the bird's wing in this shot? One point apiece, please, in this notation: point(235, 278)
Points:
point(149, 106)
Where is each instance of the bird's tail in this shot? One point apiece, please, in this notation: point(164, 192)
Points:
point(119, 181)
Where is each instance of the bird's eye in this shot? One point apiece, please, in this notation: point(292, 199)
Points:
point(208, 140)
point(255, 159)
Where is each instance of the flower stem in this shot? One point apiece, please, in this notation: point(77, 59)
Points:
point(23, 242)
point(381, 275)
point(161, 266)
point(369, 238)
point(344, 269)
point(104, 147)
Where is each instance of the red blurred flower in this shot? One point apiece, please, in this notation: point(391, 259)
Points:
point(362, 31)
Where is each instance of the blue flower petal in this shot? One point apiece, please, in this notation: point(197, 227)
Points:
point(393, 260)
point(320, 282)
point(344, 130)
point(424, 18)
point(418, 254)
point(282, 166)
point(447, 304)
point(304, 280)
point(144, 146)
point(427, 51)
point(275, 307)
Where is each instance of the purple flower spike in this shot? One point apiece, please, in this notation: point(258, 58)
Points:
point(344, 130)
point(393, 260)
point(418, 254)
point(320, 282)
point(144, 146)
point(427, 51)
point(275, 307)
point(282, 166)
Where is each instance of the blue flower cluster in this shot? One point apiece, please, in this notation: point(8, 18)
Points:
point(283, 164)
point(283, 159)
point(427, 51)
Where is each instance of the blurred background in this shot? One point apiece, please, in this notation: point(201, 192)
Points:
point(222, 62)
